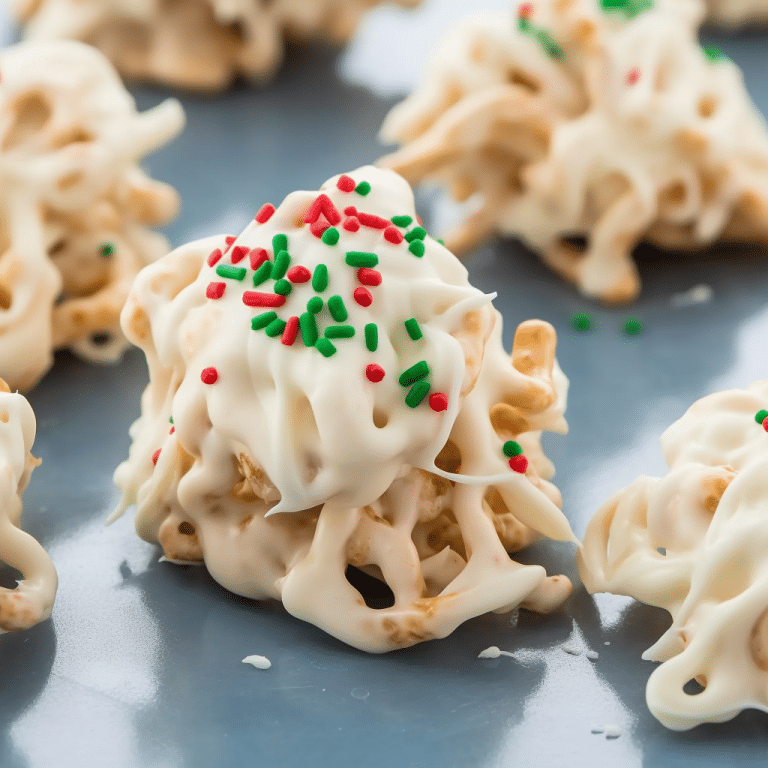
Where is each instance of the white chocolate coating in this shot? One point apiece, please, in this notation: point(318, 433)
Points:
point(193, 44)
point(70, 138)
point(32, 600)
point(347, 462)
point(695, 542)
point(632, 133)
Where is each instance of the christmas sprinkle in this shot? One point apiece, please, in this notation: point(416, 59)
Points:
point(363, 297)
point(761, 416)
point(107, 250)
point(417, 248)
point(713, 54)
point(209, 376)
point(512, 448)
point(320, 278)
point(263, 273)
point(315, 305)
point(417, 393)
point(633, 326)
point(363, 188)
point(413, 328)
point(216, 254)
point(337, 309)
point(581, 321)
point(633, 76)
point(371, 337)
point(374, 373)
point(519, 464)
point(362, 259)
point(369, 276)
point(401, 221)
point(279, 243)
point(234, 273)
point(276, 327)
point(308, 326)
point(393, 235)
point(438, 401)
point(263, 320)
point(299, 274)
point(413, 374)
point(417, 233)
point(215, 290)
point(256, 299)
point(283, 287)
point(156, 456)
point(346, 184)
point(331, 236)
point(291, 331)
point(238, 253)
point(265, 213)
point(325, 347)
point(280, 267)
point(339, 332)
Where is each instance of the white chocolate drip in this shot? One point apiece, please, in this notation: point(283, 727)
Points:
point(74, 203)
point(695, 542)
point(627, 131)
point(195, 44)
point(283, 429)
point(32, 599)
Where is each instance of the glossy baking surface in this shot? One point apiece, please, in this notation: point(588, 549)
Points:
point(141, 664)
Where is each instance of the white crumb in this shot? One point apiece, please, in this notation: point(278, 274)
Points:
point(607, 642)
point(260, 662)
point(592, 655)
point(699, 294)
point(612, 731)
point(572, 649)
point(493, 652)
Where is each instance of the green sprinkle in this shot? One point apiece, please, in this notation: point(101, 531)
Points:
point(761, 416)
point(325, 347)
point(262, 274)
point(320, 278)
point(308, 326)
point(363, 188)
point(417, 233)
point(636, 7)
point(330, 236)
point(401, 221)
point(442, 242)
point(417, 248)
point(523, 24)
point(547, 42)
point(581, 321)
point(417, 393)
point(235, 273)
point(279, 243)
point(276, 327)
point(337, 309)
point(170, 418)
point(371, 337)
point(282, 262)
point(362, 259)
point(339, 332)
point(283, 286)
point(107, 250)
point(713, 54)
point(612, 5)
point(414, 331)
point(263, 320)
point(512, 448)
point(315, 305)
point(414, 373)
point(633, 326)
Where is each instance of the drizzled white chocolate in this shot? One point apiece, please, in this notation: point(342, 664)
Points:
point(195, 44)
point(695, 542)
point(417, 492)
point(570, 121)
point(31, 601)
point(74, 205)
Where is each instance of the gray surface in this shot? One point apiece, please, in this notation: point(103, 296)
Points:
point(141, 663)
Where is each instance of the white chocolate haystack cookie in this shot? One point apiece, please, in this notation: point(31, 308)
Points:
point(328, 390)
point(74, 205)
point(193, 44)
point(695, 543)
point(32, 599)
point(584, 130)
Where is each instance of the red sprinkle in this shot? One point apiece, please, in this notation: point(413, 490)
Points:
point(368, 276)
point(346, 184)
point(156, 456)
point(171, 430)
point(351, 224)
point(350, 210)
point(299, 274)
point(258, 256)
point(438, 401)
point(238, 253)
point(374, 373)
point(256, 299)
point(322, 205)
point(519, 464)
point(418, 218)
point(318, 227)
point(765, 423)
point(363, 297)
point(265, 213)
point(214, 257)
point(525, 10)
point(209, 376)
point(229, 239)
point(393, 235)
point(290, 332)
point(215, 290)
point(371, 220)
point(633, 76)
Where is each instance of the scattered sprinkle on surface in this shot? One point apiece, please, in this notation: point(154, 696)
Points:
point(260, 662)
point(581, 321)
point(633, 326)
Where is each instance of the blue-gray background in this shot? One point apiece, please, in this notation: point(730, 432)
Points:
point(141, 664)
